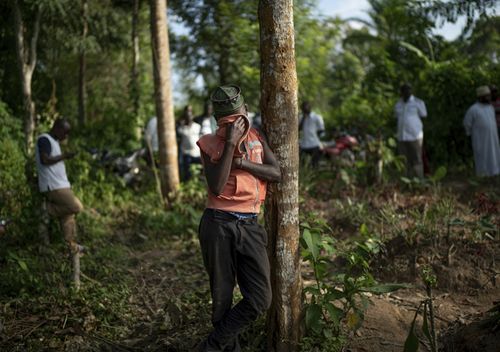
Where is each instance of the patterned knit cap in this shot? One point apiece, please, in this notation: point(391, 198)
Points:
point(226, 100)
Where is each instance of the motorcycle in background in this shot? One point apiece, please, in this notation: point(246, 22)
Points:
point(342, 149)
point(127, 167)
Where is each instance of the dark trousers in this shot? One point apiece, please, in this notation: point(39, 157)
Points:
point(233, 250)
point(412, 150)
point(187, 161)
point(314, 153)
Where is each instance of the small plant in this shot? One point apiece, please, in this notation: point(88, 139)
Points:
point(421, 183)
point(428, 322)
point(338, 297)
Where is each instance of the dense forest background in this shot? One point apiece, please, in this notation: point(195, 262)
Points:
point(350, 74)
point(142, 289)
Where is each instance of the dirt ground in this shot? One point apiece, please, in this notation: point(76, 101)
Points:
point(169, 296)
point(466, 266)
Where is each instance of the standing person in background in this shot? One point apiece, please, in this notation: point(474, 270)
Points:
point(151, 139)
point(410, 111)
point(238, 164)
point(495, 101)
point(312, 127)
point(53, 181)
point(151, 134)
point(189, 133)
point(206, 120)
point(480, 124)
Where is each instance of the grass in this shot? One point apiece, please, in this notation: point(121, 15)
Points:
point(145, 287)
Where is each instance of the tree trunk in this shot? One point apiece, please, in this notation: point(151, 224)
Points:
point(278, 81)
point(26, 57)
point(82, 89)
point(167, 143)
point(134, 77)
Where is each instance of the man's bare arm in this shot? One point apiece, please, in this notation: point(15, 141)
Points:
point(269, 170)
point(51, 160)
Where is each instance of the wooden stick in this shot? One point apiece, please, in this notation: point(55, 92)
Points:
point(76, 269)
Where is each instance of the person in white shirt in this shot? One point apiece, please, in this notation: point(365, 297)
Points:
point(151, 134)
point(312, 127)
point(410, 111)
point(189, 133)
point(206, 120)
point(53, 181)
point(480, 124)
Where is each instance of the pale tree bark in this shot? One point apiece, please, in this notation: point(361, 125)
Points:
point(82, 88)
point(167, 143)
point(26, 57)
point(134, 76)
point(278, 81)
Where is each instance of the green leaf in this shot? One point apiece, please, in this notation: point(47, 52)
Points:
point(335, 313)
point(354, 319)
point(308, 238)
point(384, 288)
point(23, 265)
point(439, 174)
point(457, 222)
point(363, 230)
point(305, 225)
point(334, 295)
point(406, 180)
point(327, 333)
point(313, 317)
point(328, 248)
point(344, 176)
point(425, 326)
point(411, 343)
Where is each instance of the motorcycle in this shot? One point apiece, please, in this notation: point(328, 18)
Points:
point(343, 148)
point(127, 167)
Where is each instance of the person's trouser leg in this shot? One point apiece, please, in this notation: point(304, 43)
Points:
point(232, 248)
point(64, 205)
point(313, 153)
point(186, 164)
point(412, 150)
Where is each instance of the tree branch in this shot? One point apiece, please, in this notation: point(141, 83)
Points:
point(19, 26)
point(34, 39)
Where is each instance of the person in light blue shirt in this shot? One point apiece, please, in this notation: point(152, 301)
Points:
point(312, 127)
point(410, 111)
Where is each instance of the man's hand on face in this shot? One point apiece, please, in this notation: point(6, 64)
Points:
point(235, 130)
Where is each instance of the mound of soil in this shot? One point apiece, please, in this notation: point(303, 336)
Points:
point(482, 334)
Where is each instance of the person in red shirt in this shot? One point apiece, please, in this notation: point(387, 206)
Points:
point(238, 164)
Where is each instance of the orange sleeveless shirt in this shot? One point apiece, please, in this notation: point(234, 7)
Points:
point(243, 192)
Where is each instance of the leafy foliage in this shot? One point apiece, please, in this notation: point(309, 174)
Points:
point(338, 296)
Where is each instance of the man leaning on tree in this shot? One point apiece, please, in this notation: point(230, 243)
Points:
point(238, 164)
point(53, 181)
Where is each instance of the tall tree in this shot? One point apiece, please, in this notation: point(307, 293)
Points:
point(26, 57)
point(278, 81)
point(82, 89)
point(219, 47)
point(134, 77)
point(169, 170)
